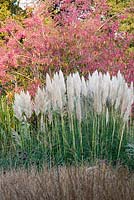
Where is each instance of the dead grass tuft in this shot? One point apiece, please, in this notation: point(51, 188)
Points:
point(68, 183)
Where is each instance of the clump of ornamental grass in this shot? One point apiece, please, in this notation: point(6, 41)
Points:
point(74, 119)
point(68, 183)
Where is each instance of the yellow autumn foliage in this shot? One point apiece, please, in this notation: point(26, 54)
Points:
point(123, 6)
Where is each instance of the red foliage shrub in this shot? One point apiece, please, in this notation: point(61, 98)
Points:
point(71, 35)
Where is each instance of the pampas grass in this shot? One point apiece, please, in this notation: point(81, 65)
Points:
point(100, 89)
point(72, 120)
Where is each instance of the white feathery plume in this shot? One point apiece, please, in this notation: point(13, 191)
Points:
point(23, 105)
point(17, 106)
point(105, 88)
point(96, 88)
point(120, 77)
point(91, 82)
point(131, 96)
point(49, 91)
point(54, 95)
point(83, 87)
point(125, 100)
point(130, 100)
point(70, 93)
point(77, 90)
point(57, 87)
point(57, 102)
point(99, 95)
point(84, 98)
point(37, 102)
point(90, 87)
point(120, 94)
point(118, 100)
point(27, 104)
point(127, 114)
point(114, 86)
point(62, 83)
point(59, 99)
point(40, 101)
point(48, 84)
point(56, 77)
point(77, 84)
point(132, 93)
point(62, 87)
point(100, 91)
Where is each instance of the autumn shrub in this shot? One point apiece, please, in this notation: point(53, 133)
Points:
point(127, 7)
point(71, 35)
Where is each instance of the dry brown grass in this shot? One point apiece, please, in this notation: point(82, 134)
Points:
point(68, 183)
